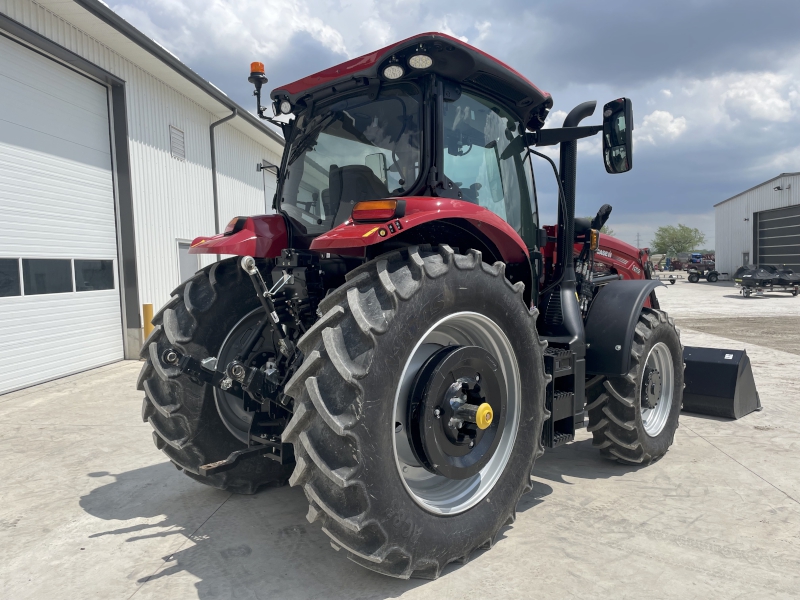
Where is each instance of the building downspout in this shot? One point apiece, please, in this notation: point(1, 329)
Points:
point(214, 166)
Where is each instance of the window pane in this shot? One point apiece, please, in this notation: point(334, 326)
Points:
point(9, 277)
point(477, 132)
point(187, 263)
point(354, 148)
point(46, 276)
point(94, 275)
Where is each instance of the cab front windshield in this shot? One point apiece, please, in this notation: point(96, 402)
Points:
point(352, 149)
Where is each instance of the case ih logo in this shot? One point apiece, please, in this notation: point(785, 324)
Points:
point(605, 253)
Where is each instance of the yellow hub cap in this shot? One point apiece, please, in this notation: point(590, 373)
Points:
point(483, 418)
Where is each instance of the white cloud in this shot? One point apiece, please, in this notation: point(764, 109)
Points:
point(667, 93)
point(444, 27)
point(660, 125)
point(190, 27)
point(483, 28)
point(763, 96)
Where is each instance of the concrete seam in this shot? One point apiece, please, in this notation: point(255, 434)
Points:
point(741, 465)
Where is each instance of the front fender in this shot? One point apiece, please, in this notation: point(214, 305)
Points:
point(262, 237)
point(352, 238)
point(611, 322)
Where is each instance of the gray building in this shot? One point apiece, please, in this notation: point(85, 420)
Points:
point(114, 155)
point(760, 225)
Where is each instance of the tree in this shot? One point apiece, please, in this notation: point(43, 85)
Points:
point(671, 240)
point(605, 229)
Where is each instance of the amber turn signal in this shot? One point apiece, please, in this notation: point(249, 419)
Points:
point(594, 243)
point(378, 210)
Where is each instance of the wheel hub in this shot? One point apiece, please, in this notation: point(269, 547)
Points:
point(455, 411)
point(651, 390)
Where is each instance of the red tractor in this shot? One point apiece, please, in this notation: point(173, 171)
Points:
point(403, 338)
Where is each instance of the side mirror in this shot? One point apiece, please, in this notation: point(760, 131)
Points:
point(618, 135)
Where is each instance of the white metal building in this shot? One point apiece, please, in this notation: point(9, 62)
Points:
point(760, 225)
point(106, 175)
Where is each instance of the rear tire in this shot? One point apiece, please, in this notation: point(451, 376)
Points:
point(713, 278)
point(693, 278)
point(345, 429)
point(182, 412)
point(622, 428)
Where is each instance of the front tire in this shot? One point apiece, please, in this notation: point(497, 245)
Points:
point(349, 434)
point(635, 418)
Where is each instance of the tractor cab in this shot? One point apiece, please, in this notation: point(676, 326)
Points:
point(426, 117)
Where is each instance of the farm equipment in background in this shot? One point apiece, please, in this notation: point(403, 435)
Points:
point(403, 338)
point(703, 268)
point(754, 279)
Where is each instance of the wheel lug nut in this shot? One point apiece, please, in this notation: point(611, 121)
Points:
point(471, 444)
point(436, 412)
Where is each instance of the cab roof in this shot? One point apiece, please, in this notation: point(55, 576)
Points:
point(452, 59)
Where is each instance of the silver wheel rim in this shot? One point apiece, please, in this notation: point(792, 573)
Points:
point(436, 493)
point(654, 419)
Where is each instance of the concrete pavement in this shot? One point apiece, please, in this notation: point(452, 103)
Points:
point(90, 509)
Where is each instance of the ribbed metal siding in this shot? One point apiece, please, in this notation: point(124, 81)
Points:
point(172, 198)
point(734, 234)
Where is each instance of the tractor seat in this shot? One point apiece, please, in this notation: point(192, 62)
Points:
point(351, 184)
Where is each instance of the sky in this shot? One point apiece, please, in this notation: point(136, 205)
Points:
point(714, 84)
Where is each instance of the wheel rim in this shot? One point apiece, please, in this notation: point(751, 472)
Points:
point(231, 407)
point(435, 493)
point(657, 388)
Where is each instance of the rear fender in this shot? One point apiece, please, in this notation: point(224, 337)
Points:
point(261, 237)
point(611, 322)
point(353, 238)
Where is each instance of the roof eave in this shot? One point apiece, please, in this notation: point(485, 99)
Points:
point(108, 16)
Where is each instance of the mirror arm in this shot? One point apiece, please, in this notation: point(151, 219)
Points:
point(551, 137)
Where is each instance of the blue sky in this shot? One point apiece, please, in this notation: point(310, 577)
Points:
point(714, 84)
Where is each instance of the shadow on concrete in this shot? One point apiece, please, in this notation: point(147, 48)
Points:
point(234, 546)
point(578, 460)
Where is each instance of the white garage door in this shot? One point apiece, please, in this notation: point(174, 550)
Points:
point(59, 294)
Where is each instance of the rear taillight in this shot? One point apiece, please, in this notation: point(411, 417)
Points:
point(379, 210)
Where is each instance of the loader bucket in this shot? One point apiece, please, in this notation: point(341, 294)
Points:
point(719, 383)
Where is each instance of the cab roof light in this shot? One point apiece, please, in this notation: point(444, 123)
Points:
point(379, 210)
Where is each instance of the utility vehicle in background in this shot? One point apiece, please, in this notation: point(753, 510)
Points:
point(403, 337)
